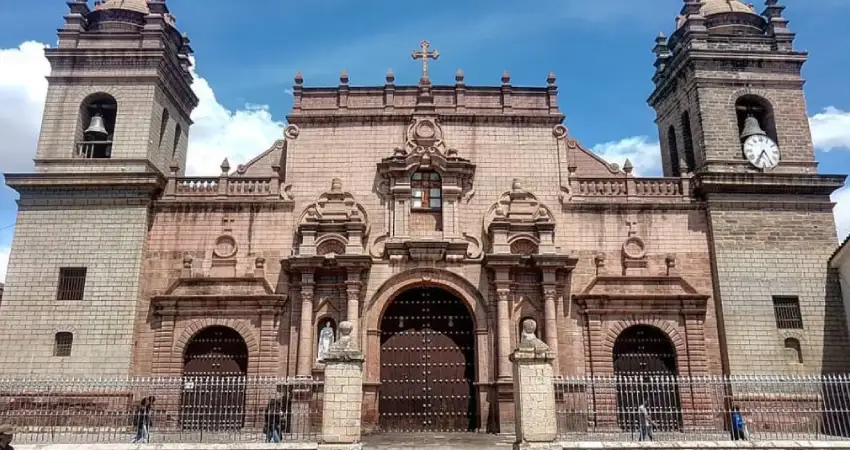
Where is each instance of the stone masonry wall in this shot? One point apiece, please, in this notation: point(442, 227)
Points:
point(767, 251)
point(55, 230)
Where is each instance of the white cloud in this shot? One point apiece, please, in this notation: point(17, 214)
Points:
point(23, 87)
point(220, 133)
point(4, 263)
point(645, 154)
point(831, 129)
point(842, 212)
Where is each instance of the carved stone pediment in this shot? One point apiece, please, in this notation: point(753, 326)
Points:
point(635, 294)
point(424, 250)
point(219, 287)
point(335, 224)
point(518, 223)
point(424, 149)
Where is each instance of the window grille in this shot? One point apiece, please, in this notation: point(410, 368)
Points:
point(72, 283)
point(787, 312)
point(63, 344)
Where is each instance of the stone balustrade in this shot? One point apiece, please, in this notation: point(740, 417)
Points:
point(628, 188)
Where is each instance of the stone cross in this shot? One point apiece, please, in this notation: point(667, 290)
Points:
point(632, 224)
point(424, 54)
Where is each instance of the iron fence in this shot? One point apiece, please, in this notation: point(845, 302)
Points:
point(187, 409)
point(703, 408)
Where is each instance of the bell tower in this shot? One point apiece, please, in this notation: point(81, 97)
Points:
point(116, 118)
point(731, 110)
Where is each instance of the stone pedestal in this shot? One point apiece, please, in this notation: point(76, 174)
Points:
point(341, 411)
point(534, 392)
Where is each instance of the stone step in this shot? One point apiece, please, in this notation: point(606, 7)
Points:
point(447, 441)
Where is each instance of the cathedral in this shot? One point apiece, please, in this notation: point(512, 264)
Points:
point(434, 218)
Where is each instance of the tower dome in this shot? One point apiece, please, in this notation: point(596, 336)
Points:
point(712, 7)
point(140, 6)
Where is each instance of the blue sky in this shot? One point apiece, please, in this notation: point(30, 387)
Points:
point(248, 52)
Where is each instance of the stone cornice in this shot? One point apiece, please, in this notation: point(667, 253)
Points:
point(23, 182)
point(767, 183)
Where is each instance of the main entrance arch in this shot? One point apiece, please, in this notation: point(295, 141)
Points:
point(427, 363)
point(645, 366)
point(215, 365)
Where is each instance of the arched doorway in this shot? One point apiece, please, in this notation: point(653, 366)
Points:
point(215, 364)
point(427, 363)
point(645, 368)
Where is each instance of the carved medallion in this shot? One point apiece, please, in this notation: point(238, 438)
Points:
point(225, 247)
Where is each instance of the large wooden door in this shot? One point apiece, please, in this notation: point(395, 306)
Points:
point(645, 369)
point(427, 364)
point(215, 364)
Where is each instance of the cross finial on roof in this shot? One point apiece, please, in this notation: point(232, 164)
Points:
point(424, 54)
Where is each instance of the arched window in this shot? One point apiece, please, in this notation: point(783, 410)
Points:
point(163, 126)
point(761, 109)
point(793, 351)
point(426, 191)
point(62, 344)
point(178, 133)
point(688, 138)
point(98, 114)
point(674, 151)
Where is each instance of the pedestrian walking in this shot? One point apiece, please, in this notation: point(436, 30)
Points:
point(739, 427)
point(142, 420)
point(644, 422)
point(273, 422)
point(6, 435)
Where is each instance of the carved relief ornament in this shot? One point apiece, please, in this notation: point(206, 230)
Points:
point(518, 223)
point(335, 224)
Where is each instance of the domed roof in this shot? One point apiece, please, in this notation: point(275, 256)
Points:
point(711, 7)
point(129, 5)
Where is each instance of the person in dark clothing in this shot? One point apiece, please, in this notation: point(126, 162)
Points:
point(142, 420)
point(6, 435)
point(273, 421)
point(739, 428)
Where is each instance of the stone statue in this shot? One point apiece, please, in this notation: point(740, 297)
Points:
point(529, 328)
point(326, 339)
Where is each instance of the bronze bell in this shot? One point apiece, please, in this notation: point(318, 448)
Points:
point(752, 128)
point(96, 127)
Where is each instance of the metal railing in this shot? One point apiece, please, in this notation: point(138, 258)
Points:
point(703, 408)
point(94, 149)
point(184, 410)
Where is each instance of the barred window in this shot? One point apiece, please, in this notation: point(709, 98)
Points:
point(62, 345)
point(426, 191)
point(72, 283)
point(787, 311)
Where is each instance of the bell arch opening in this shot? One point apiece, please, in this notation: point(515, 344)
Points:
point(645, 369)
point(428, 360)
point(215, 365)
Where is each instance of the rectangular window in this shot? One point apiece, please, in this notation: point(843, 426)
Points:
point(787, 311)
point(426, 191)
point(72, 283)
point(63, 343)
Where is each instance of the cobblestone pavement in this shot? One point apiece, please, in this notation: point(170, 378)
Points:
point(447, 441)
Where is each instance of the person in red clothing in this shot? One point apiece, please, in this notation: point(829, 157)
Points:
point(6, 435)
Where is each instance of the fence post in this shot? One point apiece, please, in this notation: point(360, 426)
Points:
point(341, 406)
point(534, 392)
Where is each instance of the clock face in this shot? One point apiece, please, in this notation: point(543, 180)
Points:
point(761, 152)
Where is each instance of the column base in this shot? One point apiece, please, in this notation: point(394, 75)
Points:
point(507, 409)
point(357, 446)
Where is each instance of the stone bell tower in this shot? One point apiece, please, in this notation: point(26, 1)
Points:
point(731, 110)
point(116, 118)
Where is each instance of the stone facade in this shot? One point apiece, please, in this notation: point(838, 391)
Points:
point(329, 224)
point(840, 262)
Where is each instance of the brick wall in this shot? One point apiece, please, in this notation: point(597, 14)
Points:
point(55, 230)
point(768, 251)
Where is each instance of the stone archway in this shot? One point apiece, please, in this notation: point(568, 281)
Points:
point(645, 367)
point(215, 366)
point(427, 369)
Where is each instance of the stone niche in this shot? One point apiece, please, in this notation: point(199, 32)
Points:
point(520, 224)
point(336, 224)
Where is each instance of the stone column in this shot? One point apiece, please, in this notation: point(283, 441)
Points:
point(551, 335)
point(534, 388)
point(305, 332)
point(341, 407)
point(352, 315)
